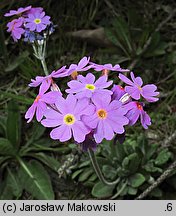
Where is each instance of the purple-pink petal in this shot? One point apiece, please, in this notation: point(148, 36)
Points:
point(133, 91)
point(79, 131)
point(125, 79)
point(145, 119)
point(30, 112)
point(62, 133)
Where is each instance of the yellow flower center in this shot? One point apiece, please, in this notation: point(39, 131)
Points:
point(90, 87)
point(74, 75)
point(139, 88)
point(37, 21)
point(69, 119)
point(102, 114)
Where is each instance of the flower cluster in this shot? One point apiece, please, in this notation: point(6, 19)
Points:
point(29, 23)
point(93, 109)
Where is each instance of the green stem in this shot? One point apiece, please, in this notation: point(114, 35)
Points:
point(45, 69)
point(98, 170)
point(40, 54)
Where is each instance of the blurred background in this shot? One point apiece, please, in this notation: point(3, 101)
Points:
point(140, 35)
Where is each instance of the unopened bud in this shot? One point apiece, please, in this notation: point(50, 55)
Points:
point(105, 72)
point(55, 87)
point(125, 98)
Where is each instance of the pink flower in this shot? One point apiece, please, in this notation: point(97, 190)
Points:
point(37, 21)
point(46, 81)
point(40, 104)
point(67, 119)
point(87, 87)
point(81, 66)
point(135, 88)
point(15, 28)
point(16, 12)
point(109, 118)
point(135, 110)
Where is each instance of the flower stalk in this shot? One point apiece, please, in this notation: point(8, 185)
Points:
point(39, 52)
point(98, 170)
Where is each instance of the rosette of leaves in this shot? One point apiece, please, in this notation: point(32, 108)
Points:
point(136, 164)
point(24, 157)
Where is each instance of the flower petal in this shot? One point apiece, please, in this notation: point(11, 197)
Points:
point(125, 79)
point(63, 133)
point(79, 131)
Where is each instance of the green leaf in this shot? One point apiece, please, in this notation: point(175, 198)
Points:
point(132, 191)
point(17, 61)
point(6, 147)
point(101, 190)
point(163, 157)
point(149, 167)
point(13, 124)
point(112, 37)
point(2, 126)
point(5, 190)
point(14, 183)
point(92, 178)
point(36, 180)
point(76, 173)
point(20, 98)
point(118, 151)
point(109, 171)
point(134, 162)
point(136, 180)
point(37, 131)
point(125, 163)
point(85, 163)
point(3, 159)
point(47, 160)
point(122, 32)
point(85, 174)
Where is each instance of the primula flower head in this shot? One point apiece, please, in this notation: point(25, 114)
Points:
point(108, 118)
point(17, 12)
point(32, 24)
point(68, 119)
point(40, 104)
point(135, 89)
point(37, 21)
point(88, 87)
point(90, 112)
point(135, 110)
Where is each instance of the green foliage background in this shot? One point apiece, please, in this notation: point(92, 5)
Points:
point(137, 35)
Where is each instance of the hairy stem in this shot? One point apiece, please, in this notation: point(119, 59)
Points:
point(98, 170)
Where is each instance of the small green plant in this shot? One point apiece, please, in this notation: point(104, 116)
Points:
point(135, 163)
